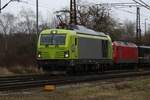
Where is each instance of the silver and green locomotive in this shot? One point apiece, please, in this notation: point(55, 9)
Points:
point(78, 48)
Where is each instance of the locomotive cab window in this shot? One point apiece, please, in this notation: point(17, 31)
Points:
point(53, 39)
point(59, 39)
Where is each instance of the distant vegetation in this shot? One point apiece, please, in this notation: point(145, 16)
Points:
point(19, 50)
point(18, 32)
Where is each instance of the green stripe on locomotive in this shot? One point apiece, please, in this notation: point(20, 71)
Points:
point(64, 45)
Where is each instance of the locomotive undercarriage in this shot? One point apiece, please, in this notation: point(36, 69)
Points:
point(74, 65)
point(87, 66)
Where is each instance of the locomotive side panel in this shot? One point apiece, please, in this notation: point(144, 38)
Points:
point(90, 48)
point(129, 55)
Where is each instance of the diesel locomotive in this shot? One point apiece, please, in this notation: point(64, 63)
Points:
point(80, 48)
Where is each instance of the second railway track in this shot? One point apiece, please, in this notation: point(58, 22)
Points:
point(29, 81)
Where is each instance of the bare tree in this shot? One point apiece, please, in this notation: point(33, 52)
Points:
point(27, 21)
point(93, 16)
point(19, 48)
point(129, 28)
point(7, 26)
point(99, 19)
point(7, 23)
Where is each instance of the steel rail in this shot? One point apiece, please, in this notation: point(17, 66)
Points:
point(63, 80)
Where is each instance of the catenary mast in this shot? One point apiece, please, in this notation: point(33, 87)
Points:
point(73, 12)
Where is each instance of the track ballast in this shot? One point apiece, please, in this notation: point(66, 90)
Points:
point(30, 81)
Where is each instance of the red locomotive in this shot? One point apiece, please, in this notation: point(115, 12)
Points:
point(125, 52)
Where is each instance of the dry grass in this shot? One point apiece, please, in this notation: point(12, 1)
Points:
point(137, 89)
point(127, 90)
point(19, 70)
point(5, 71)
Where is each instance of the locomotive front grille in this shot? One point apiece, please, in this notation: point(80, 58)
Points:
point(59, 54)
point(45, 54)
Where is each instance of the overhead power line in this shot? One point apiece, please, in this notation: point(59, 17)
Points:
point(32, 4)
point(142, 4)
point(2, 7)
point(118, 4)
point(127, 11)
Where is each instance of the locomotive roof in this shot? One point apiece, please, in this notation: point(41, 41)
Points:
point(82, 29)
point(127, 44)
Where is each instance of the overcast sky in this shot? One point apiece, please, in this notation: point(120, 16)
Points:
point(47, 7)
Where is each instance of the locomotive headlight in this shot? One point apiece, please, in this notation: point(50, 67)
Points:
point(66, 54)
point(39, 55)
point(54, 31)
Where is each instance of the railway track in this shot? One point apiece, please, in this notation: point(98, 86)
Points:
point(29, 81)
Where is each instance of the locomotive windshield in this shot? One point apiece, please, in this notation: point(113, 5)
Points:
point(53, 39)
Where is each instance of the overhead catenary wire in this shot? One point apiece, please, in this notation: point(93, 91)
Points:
point(127, 11)
point(119, 6)
point(140, 3)
point(144, 3)
point(32, 4)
